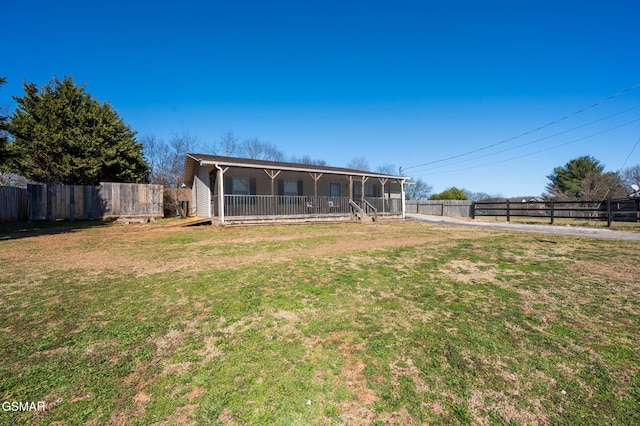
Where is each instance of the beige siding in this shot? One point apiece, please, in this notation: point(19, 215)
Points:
point(202, 192)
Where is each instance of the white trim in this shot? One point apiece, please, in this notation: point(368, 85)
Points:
point(402, 181)
point(292, 169)
point(221, 192)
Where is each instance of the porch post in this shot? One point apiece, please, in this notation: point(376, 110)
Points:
point(221, 172)
point(272, 174)
point(364, 179)
point(401, 181)
point(383, 181)
point(350, 179)
point(316, 177)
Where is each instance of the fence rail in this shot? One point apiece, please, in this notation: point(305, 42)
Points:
point(625, 210)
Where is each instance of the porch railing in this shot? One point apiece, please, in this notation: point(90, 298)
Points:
point(284, 205)
point(385, 205)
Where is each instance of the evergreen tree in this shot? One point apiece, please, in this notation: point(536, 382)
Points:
point(584, 177)
point(4, 143)
point(63, 135)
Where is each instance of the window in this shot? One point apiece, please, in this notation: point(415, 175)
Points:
point(371, 190)
point(241, 186)
point(290, 187)
point(334, 189)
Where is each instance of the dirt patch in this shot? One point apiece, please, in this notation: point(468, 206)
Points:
point(142, 397)
point(467, 271)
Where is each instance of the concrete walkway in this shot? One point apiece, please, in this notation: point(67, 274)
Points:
point(573, 231)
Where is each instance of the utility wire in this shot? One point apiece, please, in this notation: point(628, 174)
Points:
point(628, 89)
point(629, 156)
point(620, 169)
point(536, 140)
point(542, 150)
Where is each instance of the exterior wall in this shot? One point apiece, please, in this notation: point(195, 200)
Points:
point(263, 182)
point(202, 192)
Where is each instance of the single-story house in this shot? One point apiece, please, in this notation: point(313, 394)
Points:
point(242, 190)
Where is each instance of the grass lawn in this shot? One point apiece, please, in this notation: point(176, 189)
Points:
point(392, 323)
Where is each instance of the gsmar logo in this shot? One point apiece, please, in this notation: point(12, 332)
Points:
point(23, 406)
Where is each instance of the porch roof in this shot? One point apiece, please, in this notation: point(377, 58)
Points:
point(210, 160)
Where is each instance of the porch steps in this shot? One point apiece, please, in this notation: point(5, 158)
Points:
point(363, 217)
point(359, 213)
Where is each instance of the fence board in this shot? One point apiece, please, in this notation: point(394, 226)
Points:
point(108, 200)
point(14, 204)
point(450, 208)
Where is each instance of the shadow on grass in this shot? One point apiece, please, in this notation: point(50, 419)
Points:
point(19, 230)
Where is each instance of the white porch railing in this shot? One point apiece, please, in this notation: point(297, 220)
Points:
point(285, 205)
point(385, 205)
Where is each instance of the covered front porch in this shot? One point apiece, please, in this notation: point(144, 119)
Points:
point(232, 190)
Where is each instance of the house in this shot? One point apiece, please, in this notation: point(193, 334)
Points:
point(242, 190)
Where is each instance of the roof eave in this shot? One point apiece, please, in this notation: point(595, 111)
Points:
point(297, 169)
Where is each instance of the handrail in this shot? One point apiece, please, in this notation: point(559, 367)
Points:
point(369, 207)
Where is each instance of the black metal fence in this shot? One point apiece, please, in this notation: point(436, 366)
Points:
point(624, 210)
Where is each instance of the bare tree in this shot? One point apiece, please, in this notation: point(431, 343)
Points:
point(477, 196)
point(598, 186)
point(306, 159)
point(228, 144)
point(157, 154)
point(387, 169)
point(631, 176)
point(260, 150)
point(167, 165)
point(418, 191)
point(358, 163)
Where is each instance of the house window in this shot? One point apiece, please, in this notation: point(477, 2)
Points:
point(290, 187)
point(334, 189)
point(240, 186)
point(371, 190)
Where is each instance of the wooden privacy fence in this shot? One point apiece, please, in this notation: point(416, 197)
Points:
point(625, 210)
point(70, 202)
point(451, 208)
point(14, 204)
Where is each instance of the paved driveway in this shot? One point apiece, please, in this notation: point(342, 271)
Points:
point(573, 231)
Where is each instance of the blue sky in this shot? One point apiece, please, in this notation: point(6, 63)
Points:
point(403, 82)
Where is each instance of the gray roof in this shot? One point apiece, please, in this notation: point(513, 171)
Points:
point(204, 159)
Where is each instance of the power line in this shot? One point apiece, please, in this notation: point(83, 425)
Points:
point(542, 150)
point(629, 156)
point(628, 89)
point(537, 140)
